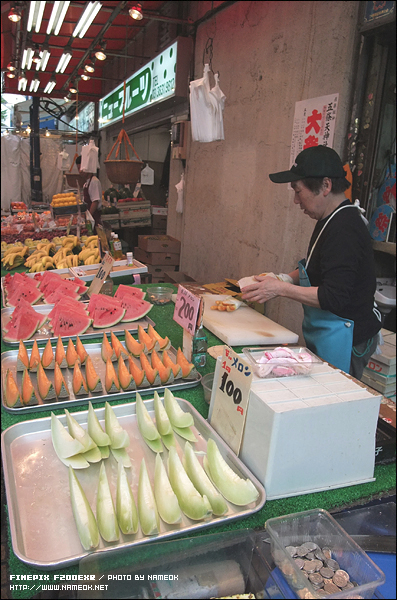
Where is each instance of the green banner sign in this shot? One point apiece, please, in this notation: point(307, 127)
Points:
point(152, 83)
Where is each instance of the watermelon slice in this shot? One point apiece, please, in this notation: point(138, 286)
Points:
point(52, 286)
point(82, 286)
point(29, 293)
point(59, 294)
point(134, 308)
point(22, 327)
point(70, 304)
point(122, 290)
point(101, 301)
point(68, 324)
point(106, 317)
point(11, 281)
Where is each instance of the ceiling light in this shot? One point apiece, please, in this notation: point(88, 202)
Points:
point(34, 85)
point(64, 60)
point(11, 66)
point(36, 56)
point(89, 66)
point(22, 82)
point(50, 85)
point(91, 11)
point(27, 58)
point(57, 16)
point(15, 14)
point(47, 132)
point(67, 98)
point(11, 74)
point(35, 16)
point(136, 12)
point(100, 54)
point(73, 88)
point(85, 76)
point(44, 57)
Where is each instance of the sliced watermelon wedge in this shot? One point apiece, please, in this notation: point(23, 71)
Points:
point(102, 302)
point(22, 327)
point(69, 324)
point(59, 294)
point(106, 317)
point(134, 308)
point(21, 290)
point(82, 286)
point(123, 290)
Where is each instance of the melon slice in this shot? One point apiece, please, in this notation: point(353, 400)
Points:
point(23, 324)
point(11, 391)
point(135, 348)
point(79, 383)
point(48, 359)
point(81, 351)
point(117, 435)
point(95, 430)
point(135, 309)
point(166, 373)
point(127, 514)
point(60, 356)
point(64, 444)
point(67, 323)
point(107, 351)
point(176, 415)
point(112, 383)
point(138, 374)
point(93, 456)
point(71, 355)
point(167, 502)
point(46, 389)
point(168, 362)
point(107, 317)
point(189, 371)
point(86, 524)
point(93, 380)
point(165, 343)
point(147, 508)
point(30, 294)
point(27, 391)
point(162, 421)
point(145, 339)
point(23, 358)
point(127, 290)
point(152, 375)
point(145, 424)
point(34, 358)
point(186, 433)
point(126, 380)
point(117, 346)
point(121, 455)
point(77, 431)
point(61, 388)
point(105, 511)
point(192, 503)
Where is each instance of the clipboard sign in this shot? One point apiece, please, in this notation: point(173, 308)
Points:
point(104, 269)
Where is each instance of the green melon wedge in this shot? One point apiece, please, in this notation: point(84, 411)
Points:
point(145, 424)
point(94, 428)
point(163, 424)
point(166, 500)
point(105, 511)
point(176, 415)
point(193, 504)
point(121, 455)
point(93, 456)
point(117, 435)
point(186, 433)
point(64, 444)
point(147, 509)
point(84, 517)
point(127, 514)
point(77, 431)
point(168, 440)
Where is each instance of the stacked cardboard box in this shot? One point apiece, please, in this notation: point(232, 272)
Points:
point(134, 214)
point(380, 373)
point(160, 253)
point(159, 220)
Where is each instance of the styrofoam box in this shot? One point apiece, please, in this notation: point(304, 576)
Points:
point(310, 433)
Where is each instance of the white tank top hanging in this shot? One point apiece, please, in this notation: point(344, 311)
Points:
point(147, 176)
point(89, 158)
point(63, 161)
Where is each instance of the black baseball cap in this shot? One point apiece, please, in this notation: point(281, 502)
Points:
point(316, 161)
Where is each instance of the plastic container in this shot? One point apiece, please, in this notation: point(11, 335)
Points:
point(159, 295)
point(130, 258)
point(281, 361)
point(207, 382)
point(319, 527)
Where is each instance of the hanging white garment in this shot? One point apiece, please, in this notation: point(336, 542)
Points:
point(147, 176)
point(89, 158)
point(206, 109)
point(180, 188)
point(220, 98)
point(63, 161)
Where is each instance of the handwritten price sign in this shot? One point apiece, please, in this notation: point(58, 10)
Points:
point(186, 309)
point(232, 383)
point(104, 269)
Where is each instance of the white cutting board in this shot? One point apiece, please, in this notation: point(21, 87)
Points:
point(244, 326)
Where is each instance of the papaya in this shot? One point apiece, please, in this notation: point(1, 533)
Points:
point(117, 346)
point(60, 356)
point(138, 374)
point(166, 373)
point(23, 358)
point(11, 391)
point(81, 351)
point(168, 362)
point(165, 343)
point(79, 383)
point(112, 383)
point(152, 375)
point(107, 350)
point(125, 378)
point(47, 359)
point(135, 348)
point(93, 380)
point(46, 389)
point(145, 339)
point(188, 369)
point(71, 355)
point(34, 357)
point(61, 389)
point(27, 392)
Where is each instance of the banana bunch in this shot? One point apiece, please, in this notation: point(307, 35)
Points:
point(90, 253)
point(14, 257)
point(40, 259)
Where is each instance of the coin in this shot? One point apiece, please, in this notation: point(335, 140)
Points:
point(327, 552)
point(311, 546)
point(316, 579)
point(309, 567)
point(319, 554)
point(299, 562)
point(310, 556)
point(301, 551)
point(326, 573)
point(291, 550)
point(331, 588)
point(349, 585)
point(332, 564)
point(317, 564)
point(340, 578)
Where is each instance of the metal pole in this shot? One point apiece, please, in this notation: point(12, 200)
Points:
point(35, 169)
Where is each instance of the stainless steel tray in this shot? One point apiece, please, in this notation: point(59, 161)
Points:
point(9, 361)
point(45, 332)
point(43, 531)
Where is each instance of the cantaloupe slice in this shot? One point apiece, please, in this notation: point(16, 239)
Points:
point(71, 355)
point(152, 375)
point(81, 351)
point(126, 380)
point(23, 358)
point(107, 350)
point(117, 346)
point(166, 373)
point(61, 388)
point(133, 346)
point(138, 374)
point(112, 383)
point(79, 383)
point(11, 391)
point(27, 392)
point(189, 371)
point(93, 380)
point(46, 389)
point(165, 343)
point(48, 359)
point(145, 339)
point(60, 356)
point(168, 362)
point(34, 357)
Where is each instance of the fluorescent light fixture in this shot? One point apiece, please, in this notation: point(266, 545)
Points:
point(50, 86)
point(22, 83)
point(91, 11)
point(57, 16)
point(27, 58)
point(63, 61)
point(34, 85)
point(44, 57)
point(35, 16)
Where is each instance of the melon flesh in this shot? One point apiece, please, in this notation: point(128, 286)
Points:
point(107, 317)
point(135, 309)
point(126, 290)
point(65, 325)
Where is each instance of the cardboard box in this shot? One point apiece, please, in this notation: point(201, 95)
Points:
point(158, 272)
point(135, 213)
point(159, 210)
point(156, 258)
point(159, 243)
point(135, 222)
point(159, 222)
point(158, 231)
point(177, 277)
point(386, 385)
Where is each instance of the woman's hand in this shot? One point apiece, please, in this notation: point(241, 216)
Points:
point(268, 287)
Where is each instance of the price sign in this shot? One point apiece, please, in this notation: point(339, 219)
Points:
point(104, 269)
point(232, 387)
point(186, 309)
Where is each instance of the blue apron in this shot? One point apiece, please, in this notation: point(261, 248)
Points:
point(330, 337)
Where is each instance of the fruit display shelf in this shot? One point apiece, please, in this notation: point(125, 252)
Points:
point(69, 210)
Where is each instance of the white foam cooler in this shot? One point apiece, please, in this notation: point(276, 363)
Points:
point(310, 433)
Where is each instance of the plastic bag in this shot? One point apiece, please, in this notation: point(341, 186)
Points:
point(206, 109)
point(147, 176)
point(89, 158)
point(63, 161)
point(180, 187)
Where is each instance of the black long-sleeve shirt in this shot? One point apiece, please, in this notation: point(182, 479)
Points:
point(342, 266)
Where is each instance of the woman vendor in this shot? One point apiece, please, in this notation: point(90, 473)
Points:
point(92, 193)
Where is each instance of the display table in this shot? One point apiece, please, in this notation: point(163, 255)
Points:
point(384, 484)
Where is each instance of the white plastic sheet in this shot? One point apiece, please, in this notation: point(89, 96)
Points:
point(10, 170)
point(89, 158)
point(206, 109)
point(147, 175)
point(180, 188)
